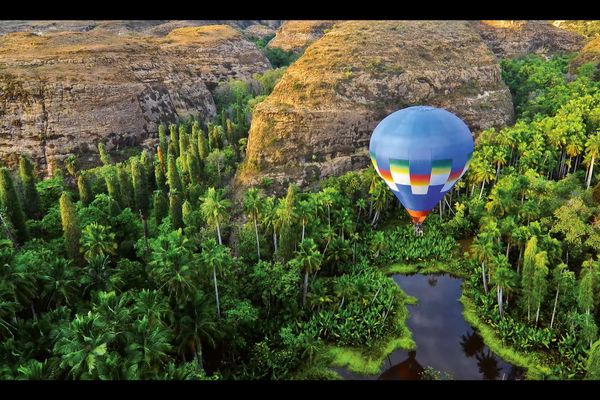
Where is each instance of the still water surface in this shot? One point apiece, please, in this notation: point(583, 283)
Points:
point(445, 341)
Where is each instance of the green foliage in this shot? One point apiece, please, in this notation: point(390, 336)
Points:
point(70, 225)
point(140, 187)
point(83, 187)
point(279, 57)
point(28, 182)
point(104, 156)
point(10, 205)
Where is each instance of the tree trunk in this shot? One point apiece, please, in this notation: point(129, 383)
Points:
point(375, 217)
point(507, 249)
point(275, 240)
point(305, 289)
point(219, 233)
point(329, 215)
point(257, 241)
point(303, 226)
point(216, 292)
point(499, 290)
point(483, 275)
point(481, 192)
point(591, 172)
point(554, 309)
point(537, 314)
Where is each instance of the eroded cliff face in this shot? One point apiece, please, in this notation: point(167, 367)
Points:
point(64, 92)
point(512, 38)
point(589, 54)
point(124, 27)
point(296, 35)
point(319, 118)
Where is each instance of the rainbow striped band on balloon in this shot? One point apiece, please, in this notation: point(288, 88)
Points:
point(420, 183)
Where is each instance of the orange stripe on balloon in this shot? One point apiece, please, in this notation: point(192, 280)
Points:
point(419, 179)
point(454, 175)
point(387, 175)
point(417, 216)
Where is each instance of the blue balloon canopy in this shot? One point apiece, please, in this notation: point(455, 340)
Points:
point(420, 152)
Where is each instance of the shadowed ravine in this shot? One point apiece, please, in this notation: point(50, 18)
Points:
point(444, 340)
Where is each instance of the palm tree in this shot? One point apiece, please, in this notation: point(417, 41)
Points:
point(361, 205)
point(215, 257)
point(214, 209)
point(499, 158)
point(482, 173)
point(539, 281)
point(483, 251)
point(507, 228)
point(345, 222)
point(252, 205)
point(592, 147)
point(304, 211)
point(83, 345)
point(308, 258)
point(194, 327)
point(378, 243)
point(327, 198)
point(504, 278)
point(379, 197)
point(172, 266)
point(60, 282)
point(562, 276)
point(270, 219)
point(97, 241)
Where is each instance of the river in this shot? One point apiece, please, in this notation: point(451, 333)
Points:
point(445, 341)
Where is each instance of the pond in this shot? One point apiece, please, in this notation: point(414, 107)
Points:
point(445, 341)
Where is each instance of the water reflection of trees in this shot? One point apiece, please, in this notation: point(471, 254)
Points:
point(432, 281)
point(472, 345)
point(488, 365)
point(409, 369)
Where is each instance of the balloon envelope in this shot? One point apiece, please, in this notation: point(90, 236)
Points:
point(420, 152)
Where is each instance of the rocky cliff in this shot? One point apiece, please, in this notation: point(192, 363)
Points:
point(589, 54)
point(510, 38)
point(64, 92)
point(296, 35)
point(318, 120)
point(151, 27)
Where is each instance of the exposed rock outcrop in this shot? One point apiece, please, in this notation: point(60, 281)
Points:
point(318, 120)
point(119, 27)
point(62, 93)
point(296, 35)
point(259, 31)
point(589, 54)
point(510, 38)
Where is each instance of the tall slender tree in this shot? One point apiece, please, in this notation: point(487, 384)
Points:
point(71, 229)
point(85, 191)
point(175, 211)
point(30, 193)
point(214, 209)
point(528, 272)
point(104, 156)
point(592, 147)
point(252, 205)
point(140, 187)
point(10, 201)
point(540, 283)
point(215, 257)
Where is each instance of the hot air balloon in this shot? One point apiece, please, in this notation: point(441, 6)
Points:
point(420, 152)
